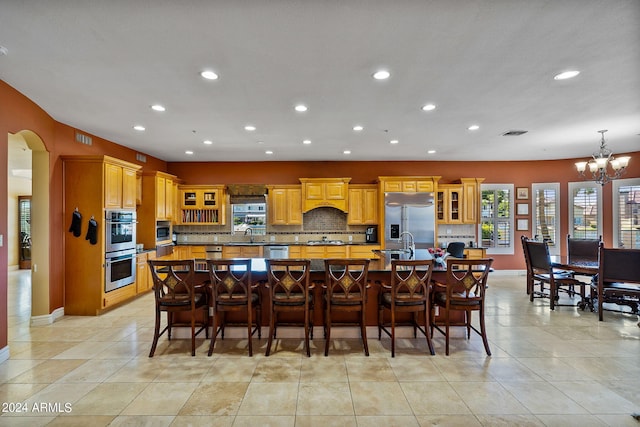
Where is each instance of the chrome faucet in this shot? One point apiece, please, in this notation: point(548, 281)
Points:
point(250, 231)
point(410, 244)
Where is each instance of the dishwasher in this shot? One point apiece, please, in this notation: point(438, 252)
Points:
point(276, 251)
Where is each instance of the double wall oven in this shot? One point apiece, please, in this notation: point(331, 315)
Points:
point(120, 248)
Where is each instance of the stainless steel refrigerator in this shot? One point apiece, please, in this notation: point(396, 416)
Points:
point(413, 213)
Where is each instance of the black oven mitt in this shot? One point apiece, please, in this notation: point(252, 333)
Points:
point(76, 224)
point(92, 232)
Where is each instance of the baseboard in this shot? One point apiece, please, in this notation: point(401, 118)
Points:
point(48, 318)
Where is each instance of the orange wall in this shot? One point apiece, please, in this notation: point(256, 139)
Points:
point(18, 113)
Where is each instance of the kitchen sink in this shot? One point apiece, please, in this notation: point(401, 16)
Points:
point(325, 242)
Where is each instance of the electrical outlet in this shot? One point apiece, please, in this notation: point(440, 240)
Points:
point(295, 238)
point(215, 238)
point(351, 238)
point(272, 238)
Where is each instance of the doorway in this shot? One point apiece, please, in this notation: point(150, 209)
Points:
point(24, 232)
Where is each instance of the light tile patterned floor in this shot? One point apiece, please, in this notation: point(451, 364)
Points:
point(559, 368)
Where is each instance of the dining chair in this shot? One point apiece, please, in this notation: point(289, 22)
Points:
point(618, 278)
point(408, 292)
point(456, 249)
point(289, 291)
point(345, 290)
point(465, 289)
point(585, 250)
point(175, 292)
point(540, 271)
point(233, 291)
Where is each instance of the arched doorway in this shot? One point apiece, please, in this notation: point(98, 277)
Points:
point(40, 233)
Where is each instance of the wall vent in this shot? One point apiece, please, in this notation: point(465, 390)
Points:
point(141, 158)
point(515, 132)
point(83, 139)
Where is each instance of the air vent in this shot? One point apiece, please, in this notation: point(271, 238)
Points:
point(83, 139)
point(515, 132)
point(141, 158)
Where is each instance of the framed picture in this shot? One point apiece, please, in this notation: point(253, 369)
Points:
point(523, 209)
point(522, 193)
point(523, 225)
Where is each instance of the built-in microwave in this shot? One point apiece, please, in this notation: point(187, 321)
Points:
point(163, 232)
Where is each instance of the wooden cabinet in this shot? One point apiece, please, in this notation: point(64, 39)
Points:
point(201, 205)
point(91, 184)
point(325, 192)
point(324, 251)
point(157, 205)
point(471, 197)
point(449, 204)
point(188, 252)
point(408, 184)
point(284, 205)
point(363, 251)
point(295, 251)
point(475, 253)
point(119, 185)
point(242, 251)
point(144, 281)
point(363, 204)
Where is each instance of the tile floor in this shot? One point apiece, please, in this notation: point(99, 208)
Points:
point(559, 368)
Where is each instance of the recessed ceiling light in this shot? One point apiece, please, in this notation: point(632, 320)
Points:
point(393, 141)
point(346, 152)
point(381, 75)
point(566, 75)
point(306, 141)
point(300, 108)
point(428, 107)
point(207, 142)
point(189, 152)
point(250, 128)
point(139, 128)
point(260, 142)
point(209, 75)
point(269, 152)
point(473, 127)
point(358, 128)
point(158, 107)
point(431, 152)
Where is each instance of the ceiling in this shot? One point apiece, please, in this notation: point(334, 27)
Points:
point(98, 66)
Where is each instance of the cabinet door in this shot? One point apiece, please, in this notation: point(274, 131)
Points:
point(455, 205)
point(335, 191)
point(278, 206)
point(314, 191)
point(314, 252)
point(142, 282)
point(231, 252)
point(336, 251)
point(113, 186)
point(370, 206)
point(168, 198)
point(161, 197)
point(409, 186)
point(294, 206)
point(393, 186)
point(129, 188)
point(470, 202)
point(424, 186)
point(356, 206)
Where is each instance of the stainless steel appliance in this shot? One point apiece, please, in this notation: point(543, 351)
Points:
point(214, 252)
point(120, 230)
point(120, 269)
point(163, 233)
point(276, 252)
point(371, 234)
point(409, 221)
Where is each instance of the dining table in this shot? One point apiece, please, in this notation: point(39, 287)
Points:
point(581, 266)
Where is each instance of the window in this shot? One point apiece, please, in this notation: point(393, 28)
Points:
point(249, 216)
point(496, 223)
point(626, 213)
point(545, 214)
point(585, 210)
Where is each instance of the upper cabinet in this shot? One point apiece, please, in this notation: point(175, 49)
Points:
point(284, 204)
point(119, 184)
point(201, 204)
point(458, 203)
point(158, 199)
point(325, 192)
point(408, 184)
point(363, 204)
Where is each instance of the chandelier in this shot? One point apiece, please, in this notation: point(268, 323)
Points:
point(599, 166)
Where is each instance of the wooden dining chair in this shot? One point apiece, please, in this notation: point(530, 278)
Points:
point(618, 278)
point(464, 290)
point(585, 250)
point(540, 272)
point(233, 291)
point(345, 290)
point(408, 292)
point(175, 292)
point(289, 291)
